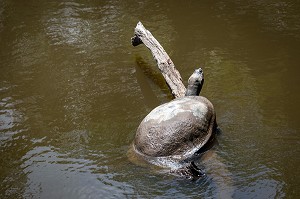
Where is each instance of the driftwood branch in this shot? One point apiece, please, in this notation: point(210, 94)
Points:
point(164, 62)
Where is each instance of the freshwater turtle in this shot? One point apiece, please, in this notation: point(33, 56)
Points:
point(173, 134)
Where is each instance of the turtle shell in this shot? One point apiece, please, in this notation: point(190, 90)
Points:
point(176, 129)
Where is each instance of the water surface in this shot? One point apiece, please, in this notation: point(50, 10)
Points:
point(73, 91)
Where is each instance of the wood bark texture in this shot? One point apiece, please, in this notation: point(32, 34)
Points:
point(164, 62)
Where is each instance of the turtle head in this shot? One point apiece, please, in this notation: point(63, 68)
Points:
point(195, 83)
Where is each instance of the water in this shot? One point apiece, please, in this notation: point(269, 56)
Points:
point(73, 91)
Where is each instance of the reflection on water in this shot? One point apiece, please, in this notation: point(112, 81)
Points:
point(73, 91)
point(81, 175)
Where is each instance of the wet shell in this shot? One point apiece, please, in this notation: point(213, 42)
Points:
point(176, 129)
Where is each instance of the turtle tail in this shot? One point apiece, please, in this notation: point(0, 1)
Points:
point(190, 171)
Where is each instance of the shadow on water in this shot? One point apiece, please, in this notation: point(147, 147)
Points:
point(150, 79)
point(149, 96)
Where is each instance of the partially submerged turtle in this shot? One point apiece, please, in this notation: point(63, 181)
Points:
point(173, 134)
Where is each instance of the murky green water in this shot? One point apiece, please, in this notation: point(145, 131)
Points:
point(73, 91)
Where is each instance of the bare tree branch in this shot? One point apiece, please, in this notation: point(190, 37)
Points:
point(164, 62)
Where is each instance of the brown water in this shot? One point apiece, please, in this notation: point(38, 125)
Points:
point(73, 91)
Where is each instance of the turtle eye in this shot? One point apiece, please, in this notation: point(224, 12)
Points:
point(199, 71)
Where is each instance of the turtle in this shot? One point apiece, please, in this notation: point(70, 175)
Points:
point(173, 134)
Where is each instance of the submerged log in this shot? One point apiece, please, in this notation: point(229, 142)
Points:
point(164, 62)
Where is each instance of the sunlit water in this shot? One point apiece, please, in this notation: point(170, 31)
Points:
point(73, 91)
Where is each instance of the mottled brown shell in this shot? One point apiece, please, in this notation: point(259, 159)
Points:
point(176, 129)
